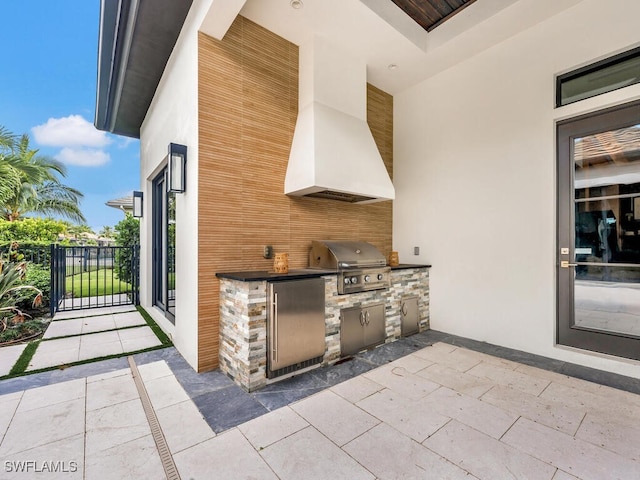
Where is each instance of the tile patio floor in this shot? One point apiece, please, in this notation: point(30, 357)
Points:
point(78, 335)
point(439, 411)
point(8, 357)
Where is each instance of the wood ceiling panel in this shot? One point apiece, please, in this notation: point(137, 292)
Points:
point(442, 6)
point(455, 4)
point(431, 13)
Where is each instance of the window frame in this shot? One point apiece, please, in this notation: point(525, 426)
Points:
point(591, 68)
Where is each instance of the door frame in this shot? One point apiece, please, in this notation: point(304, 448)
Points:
point(567, 333)
point(159, 236)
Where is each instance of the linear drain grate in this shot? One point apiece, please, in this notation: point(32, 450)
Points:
point(161, 443)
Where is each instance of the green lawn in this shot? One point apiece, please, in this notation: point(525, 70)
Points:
point(99, 282)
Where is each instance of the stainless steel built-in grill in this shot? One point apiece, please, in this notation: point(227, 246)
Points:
point(360, 266)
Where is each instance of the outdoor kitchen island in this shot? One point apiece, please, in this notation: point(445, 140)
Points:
point(244, 345)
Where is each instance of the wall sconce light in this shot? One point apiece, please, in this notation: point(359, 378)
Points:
point(177, 168)
point(137, 204)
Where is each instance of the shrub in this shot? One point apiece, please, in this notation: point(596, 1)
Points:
point(25, 329)
point(13, 292)
point(36, 252)
point(127, 235)
point(39, 277)
point(31, 229)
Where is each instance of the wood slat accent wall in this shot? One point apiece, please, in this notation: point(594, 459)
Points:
point(248, 103)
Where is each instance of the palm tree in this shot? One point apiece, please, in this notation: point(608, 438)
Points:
point(38, 189)
point(76, 231)
point(9, 176)
point(107, 232)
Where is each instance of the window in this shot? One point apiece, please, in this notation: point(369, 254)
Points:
point(601, 77)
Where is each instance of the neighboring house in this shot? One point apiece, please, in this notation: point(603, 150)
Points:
point(124, 204)
point(86, 238)
point(465, 114)
point(100, 241)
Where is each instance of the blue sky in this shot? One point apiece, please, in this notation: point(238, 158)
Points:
point(48, 90)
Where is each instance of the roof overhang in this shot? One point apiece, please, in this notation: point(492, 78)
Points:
point(124, 203)
point(135, 41)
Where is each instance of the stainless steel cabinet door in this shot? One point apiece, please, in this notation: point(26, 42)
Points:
point(296, 322)
point(351, 331)
point(374, 329)
point(361, 328)
point(409, 316)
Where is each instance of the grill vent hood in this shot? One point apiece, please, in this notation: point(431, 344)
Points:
point(333, 154)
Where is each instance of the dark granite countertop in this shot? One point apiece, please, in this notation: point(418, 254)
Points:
point(406, 266)
point(294, 274)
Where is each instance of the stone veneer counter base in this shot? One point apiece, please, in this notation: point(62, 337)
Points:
point(243, 315)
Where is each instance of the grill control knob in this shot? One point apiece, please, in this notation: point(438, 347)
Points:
point(367, 278)
point(354, 279)
point(380, 276)
point(347, 280)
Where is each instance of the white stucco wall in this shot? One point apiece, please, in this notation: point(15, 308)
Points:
point(474, 171)
point(173, 117)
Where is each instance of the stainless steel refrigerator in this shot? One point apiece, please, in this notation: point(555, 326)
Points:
point(296, 327)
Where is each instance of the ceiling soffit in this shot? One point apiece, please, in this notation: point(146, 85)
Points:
point(136, 40)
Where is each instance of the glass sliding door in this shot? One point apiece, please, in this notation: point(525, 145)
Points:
point(164, 234)
point(599, 232)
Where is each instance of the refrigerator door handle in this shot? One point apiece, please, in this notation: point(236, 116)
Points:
point(274, 329)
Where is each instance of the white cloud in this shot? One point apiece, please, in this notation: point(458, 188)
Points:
point(83, 157)
point(71, 131)
point(124, 142)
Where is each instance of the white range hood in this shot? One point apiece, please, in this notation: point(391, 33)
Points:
point(333, 154)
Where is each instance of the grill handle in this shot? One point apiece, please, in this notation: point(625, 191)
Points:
point(361, 265)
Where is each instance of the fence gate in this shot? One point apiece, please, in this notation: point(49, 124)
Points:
point(91, 277)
